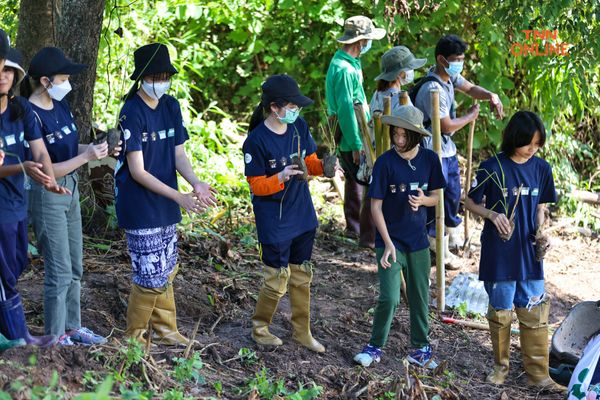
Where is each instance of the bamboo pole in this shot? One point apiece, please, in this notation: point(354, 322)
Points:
point(364, 130)
point(403, 98)
point(385, 133)
point(378, 130)
point(439, 208)
point(469, 176)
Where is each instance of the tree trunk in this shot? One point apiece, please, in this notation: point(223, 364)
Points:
point(74, 26)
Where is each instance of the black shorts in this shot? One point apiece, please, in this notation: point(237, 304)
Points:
point(295, 251)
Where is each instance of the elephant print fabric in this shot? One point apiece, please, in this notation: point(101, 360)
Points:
point(153, 254)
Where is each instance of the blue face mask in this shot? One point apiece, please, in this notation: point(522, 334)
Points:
point(454, 67)
point(366, 48)
point(290, 115)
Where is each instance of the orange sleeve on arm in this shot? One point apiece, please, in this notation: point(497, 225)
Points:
point(264, 186)
point(314, 165)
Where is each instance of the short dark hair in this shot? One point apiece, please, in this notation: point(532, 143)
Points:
point(413, 138)
point(520, 131)
point(449, 45)
point(383, 85)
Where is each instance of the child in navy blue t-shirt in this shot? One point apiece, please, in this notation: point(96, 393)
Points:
point(147, 197)
point(401, 188)
point(515, 183)
point(19, 133)
point(285, 217)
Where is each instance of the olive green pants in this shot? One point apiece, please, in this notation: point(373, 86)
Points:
point(415, 267)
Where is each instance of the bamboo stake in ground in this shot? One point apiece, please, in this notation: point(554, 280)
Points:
point(439, 208)
point(403, 98)
point(385, 133)
point(364, 134)
point(469, 175)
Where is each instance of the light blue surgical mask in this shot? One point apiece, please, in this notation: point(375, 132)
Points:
point(454, 68)
point(290, 115)
point(367, 47)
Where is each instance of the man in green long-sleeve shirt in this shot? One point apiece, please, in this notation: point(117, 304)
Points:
point(343, 88)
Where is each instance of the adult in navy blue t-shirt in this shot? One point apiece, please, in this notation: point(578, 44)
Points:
point(276, 152)
point(19, 133)
point(510, 191)
point(402, 188)
point(56, 219)
point(147, 197)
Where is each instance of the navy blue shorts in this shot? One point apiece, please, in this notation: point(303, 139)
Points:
point(294, 251)
point(13, 256)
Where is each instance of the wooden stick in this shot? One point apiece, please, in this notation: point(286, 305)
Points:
point(385, 133)
point(338, 185)
point(364, 130)
point(378, 130)
point(404, 98)
point(587, 197)
point(472, 324)
point(469, 174)
point(439, 208)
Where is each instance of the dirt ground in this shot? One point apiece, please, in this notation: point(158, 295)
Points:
point(217, 285)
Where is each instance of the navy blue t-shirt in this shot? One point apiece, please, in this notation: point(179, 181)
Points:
point(514, 259)
point(155, 133)
point(15, 134)
point(392, 181)
point(290, 212)
point(59, 131)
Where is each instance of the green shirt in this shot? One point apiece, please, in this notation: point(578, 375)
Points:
point(343, 88)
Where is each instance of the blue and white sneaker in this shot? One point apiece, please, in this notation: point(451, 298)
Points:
point(368, 355)
point(85, 336)
point(65, 340)
point(422, 357)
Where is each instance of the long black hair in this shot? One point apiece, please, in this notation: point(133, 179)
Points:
point(413, 138)
point(264, 108)
point(520, 131)
point(15, 108)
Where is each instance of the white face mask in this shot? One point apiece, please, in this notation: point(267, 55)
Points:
point(410, 76)
point(58, 92)
point(156, 89)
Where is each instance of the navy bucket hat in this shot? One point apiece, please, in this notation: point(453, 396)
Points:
point(51, 61)
point(152, 59)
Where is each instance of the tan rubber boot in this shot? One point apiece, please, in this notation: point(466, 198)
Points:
point(272, 290)
point(164, 316)
point(299, 288)
point(499, 321)
point(534, 345)
point(139, 310)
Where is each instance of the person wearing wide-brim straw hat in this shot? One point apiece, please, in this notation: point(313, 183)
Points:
point(21, 136)
point(398, 66)
point(343, 88)
point(148, 201)
point(56, 220)
point(402, 186)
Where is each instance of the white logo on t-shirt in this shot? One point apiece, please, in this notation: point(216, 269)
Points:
point(247, 158)
point(127, 134)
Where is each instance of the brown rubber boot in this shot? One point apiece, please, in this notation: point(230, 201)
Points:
point(272, 290)
point(534, 345)
point(299, 288)
point(499, 321)
point(139, 310)
point(164, 316)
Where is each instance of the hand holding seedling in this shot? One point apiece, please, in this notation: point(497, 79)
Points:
point(117, 149)
point(96, 151)
point(501, 222)
point(34, 170)
point(205, 194)
point(496, 105)
point(285, 174)
point(390, 250)
point(419, 200)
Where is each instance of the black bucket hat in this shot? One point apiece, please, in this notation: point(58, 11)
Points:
point(283, 87)
point(51, 61)
point(152, 59)
point(4, 44)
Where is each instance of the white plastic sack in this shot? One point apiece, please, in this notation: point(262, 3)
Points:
point(579, 386)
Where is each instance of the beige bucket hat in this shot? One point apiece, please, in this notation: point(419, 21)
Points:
point(407, 117)
point(360, 27)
